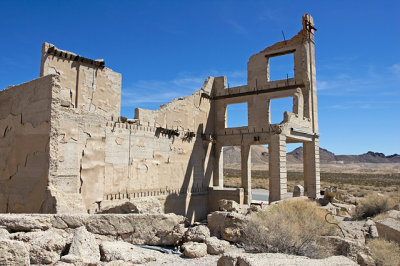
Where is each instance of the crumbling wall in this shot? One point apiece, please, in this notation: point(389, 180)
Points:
point(163, 155)
point(24, 145)
point(97, 159)
point(86, 83)
point(77, 148)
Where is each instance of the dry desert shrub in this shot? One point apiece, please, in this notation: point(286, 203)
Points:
point(292, 227)
point(374, 204)
point(384, 252)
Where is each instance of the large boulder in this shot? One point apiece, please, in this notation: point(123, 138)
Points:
point(84, 248)
point(194, 249)
point(45, 247)
point(197, 233)
point(63, 221)
point(151, 229)
point(118, 250)
point(389, 228)
point(229, 226)
point(216, 246)
point(24, 222)
point(13, 253)
point(141, 205)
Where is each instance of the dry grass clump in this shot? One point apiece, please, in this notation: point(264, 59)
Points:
point(384, 252)
point(292, 227)
point(374, 204)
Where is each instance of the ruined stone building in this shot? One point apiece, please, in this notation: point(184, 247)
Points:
point(65, 148)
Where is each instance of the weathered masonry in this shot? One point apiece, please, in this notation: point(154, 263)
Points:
point(65, 148)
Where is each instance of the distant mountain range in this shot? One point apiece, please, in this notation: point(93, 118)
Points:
point(259, 155)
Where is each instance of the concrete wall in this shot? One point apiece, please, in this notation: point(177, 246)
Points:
point(299, 124)
point(65, 148)
point(86, 83)
point(24, 145)
point(96, 158)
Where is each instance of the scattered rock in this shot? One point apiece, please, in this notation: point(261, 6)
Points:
point(118, 250)
point(197, 233)
point(227, 260)
point(329, 207)
point(395, 214)
point(142, 205)
point(228, 205)
point(373, 231)
point(216, 246)
point(345, 209)
point(229, 226)
point(44, 247)
point(4, 234)
point(254, 208)
point(13, 253)
point(194, 249)
point(84, 248)
point(365, 260)
point(263, 259)
point(342, 246)
point(298, 191)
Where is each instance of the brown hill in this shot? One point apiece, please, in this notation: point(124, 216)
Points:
point(259, 155)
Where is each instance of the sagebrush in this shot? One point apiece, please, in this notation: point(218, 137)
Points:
point(291, 227)
point(374, 204)
point(384, 252)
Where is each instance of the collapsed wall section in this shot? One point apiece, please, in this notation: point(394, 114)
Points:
point(24, 145)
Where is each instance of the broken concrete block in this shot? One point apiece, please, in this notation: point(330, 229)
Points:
point(389, 228)
point(84, 248)
point(4, 234)
point(22, 222)
point(197, 233)
point(194, 249)
point(151, 229)
point(13, 253)
point(216, 246)
point(45, 247)
point(119, 250)
point(229, 226)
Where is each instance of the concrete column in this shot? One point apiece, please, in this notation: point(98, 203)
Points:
point(245, 151)
point(311, 168)
point(218, 176)
point(277, 168)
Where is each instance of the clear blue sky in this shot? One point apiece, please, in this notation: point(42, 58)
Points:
point(165, 49)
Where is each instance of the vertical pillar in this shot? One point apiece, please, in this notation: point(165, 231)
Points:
point(277, 168)
point(246, 171)
point(311, 168)
point(218, 176)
